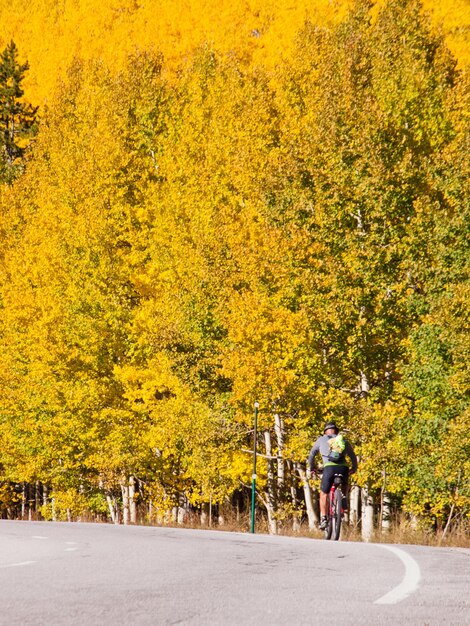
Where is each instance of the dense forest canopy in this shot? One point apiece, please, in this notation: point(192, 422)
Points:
point(51, 33)
point(226, 204)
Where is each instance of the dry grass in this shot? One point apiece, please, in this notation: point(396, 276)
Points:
point(400, 533)
point(404, 534)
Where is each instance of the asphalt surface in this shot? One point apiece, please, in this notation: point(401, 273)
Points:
point(102, 574)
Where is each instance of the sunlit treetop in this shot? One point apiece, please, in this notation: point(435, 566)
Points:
point(50, 33)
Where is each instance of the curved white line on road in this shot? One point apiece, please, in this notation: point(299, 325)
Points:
point(410, 582)
point(20, 564)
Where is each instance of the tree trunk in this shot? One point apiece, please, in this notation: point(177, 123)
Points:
point(364, 385)
point(81, 490)
point(112, 508)
point(385, 516)
point(181, 515)
point(296, 520)
point(24, 499)
point(271, 496)
point(354, 505)
point(181, 510)
point(37, 497)
point(279, 430)
point(312, 513)
point(295, 516)
point(367, 514)
point(111, 502)
point(125, 502)
point(205, 514)
point(132, 504)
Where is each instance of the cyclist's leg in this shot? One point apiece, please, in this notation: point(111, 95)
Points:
point(344, 471)
point(325, 486)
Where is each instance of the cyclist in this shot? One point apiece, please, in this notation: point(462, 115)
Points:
point(330, 468)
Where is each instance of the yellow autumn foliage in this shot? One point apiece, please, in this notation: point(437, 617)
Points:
point(51, 34)
point(228, 203)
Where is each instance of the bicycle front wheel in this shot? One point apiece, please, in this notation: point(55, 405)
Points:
point(337, 514)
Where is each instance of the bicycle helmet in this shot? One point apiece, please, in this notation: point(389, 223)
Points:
point(329, 425)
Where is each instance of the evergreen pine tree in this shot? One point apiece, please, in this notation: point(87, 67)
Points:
point(17, 118)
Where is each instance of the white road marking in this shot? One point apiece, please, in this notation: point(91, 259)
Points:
point(70, 549)
point(39, 537)
point(71, 543)
point(20, 564)
point(410, 582)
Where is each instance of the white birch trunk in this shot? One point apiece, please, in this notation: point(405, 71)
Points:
point(279, 430)
point(354, 504)
point(125, 502)
point(295, 517)
point(312, 514)
point(367, 527)
point(37, 497)
point(182, 509)
point(296, 521)
point(271, 500)
point(132, 504)
point(364, 384)
point(23, 501)
point(386, 512)
point(81, 490)
point(205, 514)
point(181, 515)
point(112, 508)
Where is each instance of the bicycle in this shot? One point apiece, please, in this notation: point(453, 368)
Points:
point(335, 510)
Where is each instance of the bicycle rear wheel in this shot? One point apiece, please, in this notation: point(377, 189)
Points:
point(337, 514)
point(329, 526)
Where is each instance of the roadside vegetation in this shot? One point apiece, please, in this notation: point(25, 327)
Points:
point(185, 233)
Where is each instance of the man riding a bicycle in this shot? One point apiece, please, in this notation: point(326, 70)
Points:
point(323, 446)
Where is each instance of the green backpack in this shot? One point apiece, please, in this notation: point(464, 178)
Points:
point(337, 449)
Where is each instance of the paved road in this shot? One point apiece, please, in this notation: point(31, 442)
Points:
point(101, 574)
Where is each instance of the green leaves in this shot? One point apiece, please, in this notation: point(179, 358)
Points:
point(17, 118)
